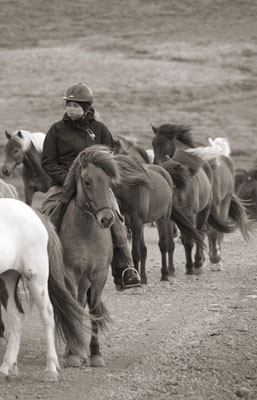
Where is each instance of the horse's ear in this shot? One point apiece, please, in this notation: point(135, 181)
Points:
point(7, 134)
point(83, 160)
point(154, 129)
point(19, 134)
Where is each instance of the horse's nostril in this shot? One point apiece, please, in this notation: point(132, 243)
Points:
point(106, 222)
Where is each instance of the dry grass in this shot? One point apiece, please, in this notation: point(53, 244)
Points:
point(192, 63)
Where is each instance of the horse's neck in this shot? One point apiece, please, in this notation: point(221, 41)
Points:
point(32, 162)
point(179, 145)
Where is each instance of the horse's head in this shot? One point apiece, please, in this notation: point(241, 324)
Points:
point(95, 170)
point(167, 139)
point(163, 146)
point(14, 153)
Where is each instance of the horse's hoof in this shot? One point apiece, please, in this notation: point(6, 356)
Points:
point(73, 361)
point(3, 341)
point(97, 361)
point(165, 284)
point(190, 277)
point(134, 290)
point(49, 376)
point(216, 266)
point(198, 271)
point(172, 280)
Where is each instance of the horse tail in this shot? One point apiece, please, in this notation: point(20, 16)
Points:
point(215, 222)
point(186, 226)
point(237, 213)
point(69, 315)
point(99, 313)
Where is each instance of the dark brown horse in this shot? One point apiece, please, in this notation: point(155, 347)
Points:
point(25, 148)
point(86, 236)
point(145, 194)
point(225, 204)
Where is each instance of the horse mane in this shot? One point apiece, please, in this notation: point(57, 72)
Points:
point(132, 171)
point(180, 132)
point(191, 160)
point(179, 173)
point(222, 144)
point(26, 138)
point(101, 157)
point(125, 142)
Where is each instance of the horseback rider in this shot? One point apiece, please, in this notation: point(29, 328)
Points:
point(65, 139)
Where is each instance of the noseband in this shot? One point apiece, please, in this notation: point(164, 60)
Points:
point(88, 208)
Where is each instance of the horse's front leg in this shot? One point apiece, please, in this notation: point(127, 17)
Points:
point(100, 317)
point(171, 249)
point(28, 192)
point(162, 227)
point(137, 228)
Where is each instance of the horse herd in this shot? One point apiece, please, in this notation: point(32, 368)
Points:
point(178, 186)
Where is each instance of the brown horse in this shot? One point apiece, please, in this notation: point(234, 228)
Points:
point(246, 189)
point(145, 194)
point(86, 236)
point(225, 204)
point(26, 148)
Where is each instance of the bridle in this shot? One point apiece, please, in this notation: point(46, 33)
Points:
point(87, 207)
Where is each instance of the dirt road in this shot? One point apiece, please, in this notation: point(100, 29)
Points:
point(195, 340)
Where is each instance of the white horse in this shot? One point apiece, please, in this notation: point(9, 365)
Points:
point(30, 249)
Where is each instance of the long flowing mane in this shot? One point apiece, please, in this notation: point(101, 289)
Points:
point(101, 157)
point(25, 139)
point(180, 132)
point(132, 171)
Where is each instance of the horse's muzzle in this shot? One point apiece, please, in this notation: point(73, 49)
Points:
point(105, 218)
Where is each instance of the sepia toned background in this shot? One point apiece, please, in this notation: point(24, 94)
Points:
point(167, 61)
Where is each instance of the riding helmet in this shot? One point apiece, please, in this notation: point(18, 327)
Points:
point(79, 92)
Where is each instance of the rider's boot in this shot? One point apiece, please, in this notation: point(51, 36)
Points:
point(123, 271)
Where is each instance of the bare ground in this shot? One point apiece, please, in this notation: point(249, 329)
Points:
point(195, 340)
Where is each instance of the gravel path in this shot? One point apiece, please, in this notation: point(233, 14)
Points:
point(196, 340)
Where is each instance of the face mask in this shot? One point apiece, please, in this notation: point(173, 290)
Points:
point(74, 111)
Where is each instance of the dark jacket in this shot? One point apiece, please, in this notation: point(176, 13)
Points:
point(65, 140)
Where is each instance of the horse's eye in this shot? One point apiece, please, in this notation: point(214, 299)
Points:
point(16, 151)
point(87, 184)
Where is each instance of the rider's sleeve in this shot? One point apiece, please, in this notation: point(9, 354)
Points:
point(106, 136)
point(50, 156)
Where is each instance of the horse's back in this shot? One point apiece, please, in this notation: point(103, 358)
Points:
point(22, 233)
point(160, 192)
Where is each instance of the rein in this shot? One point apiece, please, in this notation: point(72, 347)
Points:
point(87, 208)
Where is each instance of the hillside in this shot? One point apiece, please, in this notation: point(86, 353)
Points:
point(147, 62)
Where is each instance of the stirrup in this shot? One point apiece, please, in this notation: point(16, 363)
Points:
point(133, 284)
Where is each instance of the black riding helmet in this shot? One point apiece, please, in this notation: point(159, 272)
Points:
point(79, 93)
